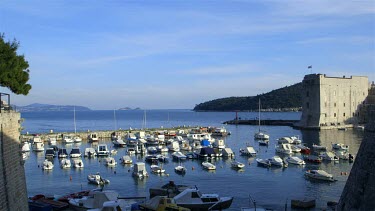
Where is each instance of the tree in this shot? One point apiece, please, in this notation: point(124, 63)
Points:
point(14, 72)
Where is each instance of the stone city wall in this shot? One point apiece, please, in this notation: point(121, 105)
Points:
point(13, 194)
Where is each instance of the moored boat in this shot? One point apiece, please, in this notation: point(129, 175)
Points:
point(139, 170)
point(47, 165)
point(110, 161)
point(263, 162)
point(78, 163)
point(65, 163)
point(97, 179)
point(319, 175)
point(126, 159)
point(295, 160)
point(312, 158)
point(193, 199)
point(237, 165)
point(209, 166)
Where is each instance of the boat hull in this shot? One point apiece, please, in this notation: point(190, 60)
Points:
point(225, 203)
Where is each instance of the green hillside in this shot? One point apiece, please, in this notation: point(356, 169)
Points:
point(283, 98)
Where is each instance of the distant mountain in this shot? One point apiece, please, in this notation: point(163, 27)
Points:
point(287, 98)
point(47, 107)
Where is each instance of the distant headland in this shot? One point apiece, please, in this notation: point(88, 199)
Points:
point(46, 107)
point(284, 99)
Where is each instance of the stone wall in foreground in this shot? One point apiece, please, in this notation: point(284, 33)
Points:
point(359, 191)
point(13, 193)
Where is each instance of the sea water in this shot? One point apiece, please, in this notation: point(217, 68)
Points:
point(270, 187)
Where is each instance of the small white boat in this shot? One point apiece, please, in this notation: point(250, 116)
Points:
point(179, 156)
point(139, 170)
point(47, 165)
point(261, 136)
point(319, 147)
point(263, 162)
point(126, 159)
point(77, 139)
point(209, 166)
point(38, 146)
point(67, 140)
point(295, 160)
point(284, 149)
point(248, 151)
point(277, 161)
point(110, 161)
point(102, 150)
point(118, 142)
point(339, 146)
point(193, 199)
point(237, 165)
point(157, 169)
point(90, 152)
point(65, 163)
point(75, 153)
point(78, 163)
point(97, 179)
point(162, 149)
point(329, 156)
point(319, 175)
point(93, 137)
point(180, 169)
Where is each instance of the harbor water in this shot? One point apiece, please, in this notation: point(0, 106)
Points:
point(270, 187)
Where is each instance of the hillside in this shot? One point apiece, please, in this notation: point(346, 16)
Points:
point(47, 107)
point(288, 97)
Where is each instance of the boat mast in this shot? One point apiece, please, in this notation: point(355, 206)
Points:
point(114, 117)
point(259, 115)
point(74, 118)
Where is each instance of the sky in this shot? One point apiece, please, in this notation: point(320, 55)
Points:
point(176, 54)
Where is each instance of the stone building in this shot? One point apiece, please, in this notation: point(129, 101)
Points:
point(13, 193)
point(331, 102)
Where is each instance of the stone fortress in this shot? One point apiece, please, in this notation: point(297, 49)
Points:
point(335, 102)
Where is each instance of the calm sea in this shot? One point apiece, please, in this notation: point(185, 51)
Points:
point(271, 188)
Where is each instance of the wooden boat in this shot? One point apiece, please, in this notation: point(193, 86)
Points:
point(304, 204)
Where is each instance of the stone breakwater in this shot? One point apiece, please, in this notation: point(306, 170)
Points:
point(106, 134)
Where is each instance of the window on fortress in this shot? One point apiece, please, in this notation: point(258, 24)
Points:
point(334, 104)
point(353, 114)
point(334, 115)
point(325, 104)
point(344, 104)
point(343, 114)
point(325, 115)
point(307, 93)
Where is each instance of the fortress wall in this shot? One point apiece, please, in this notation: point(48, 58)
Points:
point(13, 194)
point(359, 190)
point(332, 101)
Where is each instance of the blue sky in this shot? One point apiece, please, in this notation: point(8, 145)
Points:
point(175, 54)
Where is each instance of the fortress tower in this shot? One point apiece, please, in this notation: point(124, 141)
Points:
point(331, 102)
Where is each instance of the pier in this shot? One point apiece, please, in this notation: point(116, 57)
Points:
point(279, 122)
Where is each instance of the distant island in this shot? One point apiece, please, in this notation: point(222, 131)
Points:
point(128, 108)
point(288, 98)
point(46, 107)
